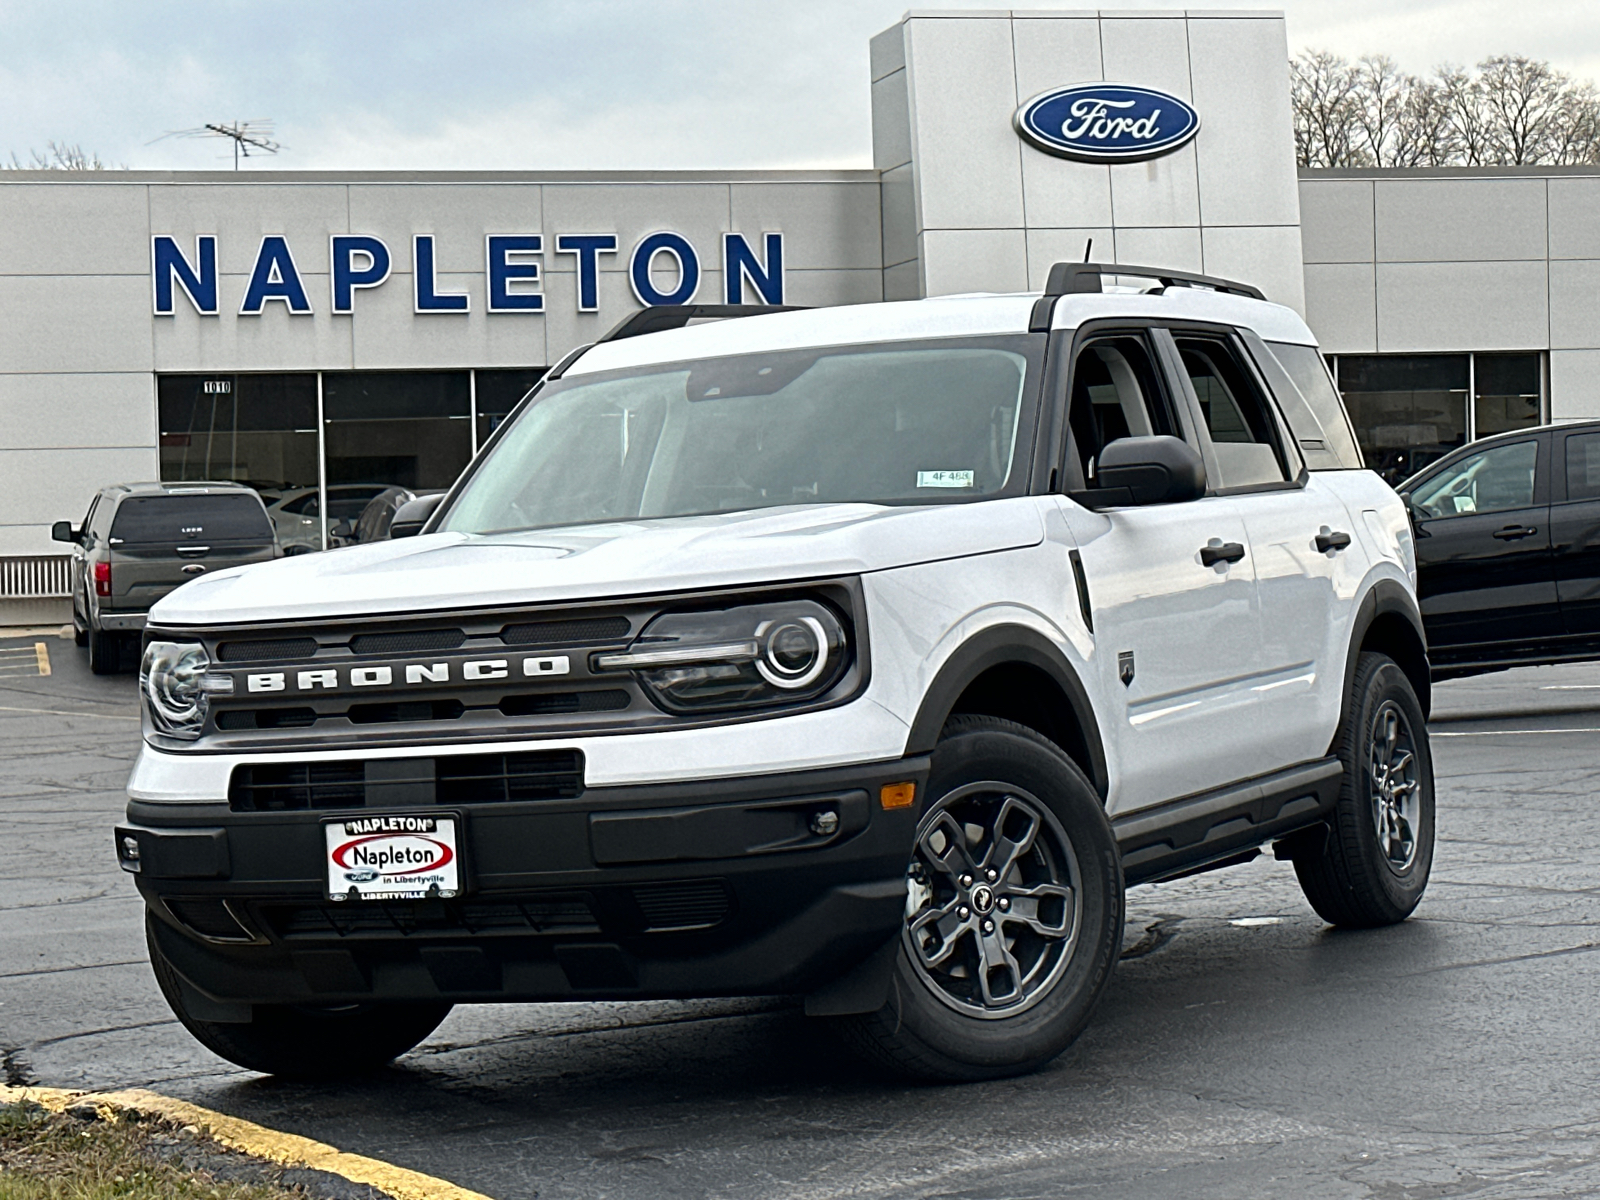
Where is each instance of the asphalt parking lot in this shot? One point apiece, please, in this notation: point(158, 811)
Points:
point(1245, 1049)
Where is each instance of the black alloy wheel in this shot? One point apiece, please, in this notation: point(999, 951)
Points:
point(1013, 911)
point(1373, 865)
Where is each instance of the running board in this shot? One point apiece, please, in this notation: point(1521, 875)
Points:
point(1179, 836)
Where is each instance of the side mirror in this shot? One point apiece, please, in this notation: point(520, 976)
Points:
point(1150, 470)
point(411, 516)
point(62, 531)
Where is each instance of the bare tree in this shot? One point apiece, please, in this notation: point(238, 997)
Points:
point(1510, 110)
point(58, 156)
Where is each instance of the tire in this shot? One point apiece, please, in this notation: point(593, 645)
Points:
point(973, 1000)
point(302, 1041)
point(105, 651)
point(80, 633)
point(1357, 878)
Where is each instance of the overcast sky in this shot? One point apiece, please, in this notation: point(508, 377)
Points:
point(566, 84)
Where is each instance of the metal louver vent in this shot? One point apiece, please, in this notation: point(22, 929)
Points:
point(689, 904)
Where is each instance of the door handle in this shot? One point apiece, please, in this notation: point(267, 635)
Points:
point(1512, 532)
point(1329, 539)
point(1217, 550)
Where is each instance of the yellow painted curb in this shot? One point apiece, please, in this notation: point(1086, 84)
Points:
point(285, 1149)
point(41, 655)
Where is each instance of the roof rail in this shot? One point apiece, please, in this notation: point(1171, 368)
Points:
point(1071, 278)
point(676, 316)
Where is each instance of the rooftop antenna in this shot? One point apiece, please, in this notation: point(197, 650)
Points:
point(246, 136)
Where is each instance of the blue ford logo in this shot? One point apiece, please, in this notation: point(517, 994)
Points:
point(1103, 122)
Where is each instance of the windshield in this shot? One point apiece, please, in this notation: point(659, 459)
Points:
point(916, 423)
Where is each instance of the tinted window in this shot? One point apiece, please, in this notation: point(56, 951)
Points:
point(1315, 413)
point(1409, 410)
point(168, 520)
point(1583, 466)
point(1116, 393)
point(1235, 414)
point(1490, 481)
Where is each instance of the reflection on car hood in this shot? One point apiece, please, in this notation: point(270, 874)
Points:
point(454, 570)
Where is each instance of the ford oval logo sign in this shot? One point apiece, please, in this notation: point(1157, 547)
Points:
point(1103, 122)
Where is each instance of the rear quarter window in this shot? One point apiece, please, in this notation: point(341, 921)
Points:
point(1318, 419)
point(170, 520)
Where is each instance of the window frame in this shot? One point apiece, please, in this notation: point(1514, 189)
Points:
point(1290, 460)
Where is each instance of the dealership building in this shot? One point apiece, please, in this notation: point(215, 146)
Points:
point(317, 334)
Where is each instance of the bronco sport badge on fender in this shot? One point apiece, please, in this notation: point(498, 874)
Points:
point(1101, 122)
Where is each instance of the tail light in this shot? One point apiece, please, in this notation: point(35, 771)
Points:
point(102, 579)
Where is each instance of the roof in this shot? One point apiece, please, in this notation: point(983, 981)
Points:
point(178, 487)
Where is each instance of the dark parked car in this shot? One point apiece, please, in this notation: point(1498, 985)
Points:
point(378, 515)
point(138, 541)
point(1508, 550)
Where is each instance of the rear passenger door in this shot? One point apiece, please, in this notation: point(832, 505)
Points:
point(1173, 633)
point(1486, 578)
point(1575, 532)
point(1300, 539)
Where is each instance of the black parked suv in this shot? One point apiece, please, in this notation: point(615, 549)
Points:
point(1508, 550)
point(138, 541)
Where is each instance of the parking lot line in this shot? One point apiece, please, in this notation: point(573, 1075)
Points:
point(1506, 732)
point(63, 712)
point(285, 1149)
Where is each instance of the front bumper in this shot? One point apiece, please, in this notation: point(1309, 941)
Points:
point(709, 888)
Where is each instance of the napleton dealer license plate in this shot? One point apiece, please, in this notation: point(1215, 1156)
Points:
point(392, 857)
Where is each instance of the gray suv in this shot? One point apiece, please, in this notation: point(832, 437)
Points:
point(138, 541)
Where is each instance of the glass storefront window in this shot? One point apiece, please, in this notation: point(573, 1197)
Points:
point(1408, 410)
point(254, 429)
point(498, 392)
point(1507, 392)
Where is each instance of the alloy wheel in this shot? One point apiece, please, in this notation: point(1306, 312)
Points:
point(1396, 799)
point(993, 900)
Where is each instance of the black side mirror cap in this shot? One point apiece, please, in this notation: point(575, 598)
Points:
point(1150, 470)
point(62, 531)
point(411, 516)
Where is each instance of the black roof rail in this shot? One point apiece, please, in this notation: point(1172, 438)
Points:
point(1067, 278)
point(676, 316)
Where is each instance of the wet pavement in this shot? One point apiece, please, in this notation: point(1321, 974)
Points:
point(1244, 1048)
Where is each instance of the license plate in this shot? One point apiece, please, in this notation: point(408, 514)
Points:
point(392, 857)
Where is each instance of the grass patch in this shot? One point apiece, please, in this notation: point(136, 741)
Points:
point(83, 1154)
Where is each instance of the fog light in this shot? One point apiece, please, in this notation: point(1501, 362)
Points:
point(825, 823)
point(130, 848)
point(897, 795)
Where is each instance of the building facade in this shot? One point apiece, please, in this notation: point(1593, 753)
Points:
point(322, 335)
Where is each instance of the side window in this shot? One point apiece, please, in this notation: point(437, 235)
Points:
point(1315, 412)
point(1583, 466)
point(88, 517)
point(1490, 481)
point(100, 523)
point(1116, 393)
point(1234, 412)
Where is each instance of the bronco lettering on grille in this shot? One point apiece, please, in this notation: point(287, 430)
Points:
point(477, 671)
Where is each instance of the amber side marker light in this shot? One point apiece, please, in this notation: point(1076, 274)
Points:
point(897, 795)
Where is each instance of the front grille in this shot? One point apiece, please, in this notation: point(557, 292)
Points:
point(208, 917)
point(458, 779)
point(538, 703)
point(538, 775)
point(689, 904)
point(274, 650)
point(410, 641)
point(512, 914)
point(564, 633)
point(266, 718)
point(406, 710)
point(279, 787)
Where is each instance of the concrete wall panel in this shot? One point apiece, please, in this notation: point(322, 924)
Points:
point(1052, 53)
point(1046, 247)
point(1574, 217)
point(38, 487)
point(891, 122)
point(1575, 304)
point(1266, 256)
point(75, 323)
point(458, 216)
point(1574, 385)
point(1342, 307)
point(1336, 220)
point(1173, 246)
point(699, 211)
point(974, 260)
point(899, 216)
point(62, 229)
point(1460, 220)
point(826, 226)
point(274, 341)
point(1462, 306)
point(57, 412)
point(242, 214)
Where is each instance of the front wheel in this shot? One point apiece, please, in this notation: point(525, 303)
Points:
point(1372, 867)
point(305, 1041)
point(1013, 911)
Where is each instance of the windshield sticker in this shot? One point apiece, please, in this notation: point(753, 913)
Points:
point(944, 479)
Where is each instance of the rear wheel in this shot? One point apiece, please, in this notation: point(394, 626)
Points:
point(1013, 911)
point(1373, 866)
point(306, 1041)
point(105, 651)
point(80, 632)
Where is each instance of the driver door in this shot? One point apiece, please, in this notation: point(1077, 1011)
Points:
point(1174, 635)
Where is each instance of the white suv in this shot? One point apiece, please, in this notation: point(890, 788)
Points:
point(864, 654)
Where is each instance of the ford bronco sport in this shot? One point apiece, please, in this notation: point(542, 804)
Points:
point(861, 654)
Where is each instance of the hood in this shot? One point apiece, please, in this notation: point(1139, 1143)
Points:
point(454, 570)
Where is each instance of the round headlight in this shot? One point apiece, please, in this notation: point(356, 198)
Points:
point(793, 653)
point(169, 679)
